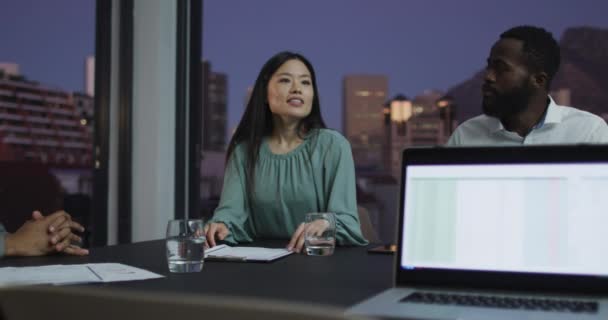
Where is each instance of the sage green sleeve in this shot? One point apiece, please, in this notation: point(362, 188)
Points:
point(339, 181)
point(2, 241)
point(232, 209)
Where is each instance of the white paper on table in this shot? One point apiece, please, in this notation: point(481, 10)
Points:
point(53, 274)
point(227, 253)
point(70, 274)
point(111, 272)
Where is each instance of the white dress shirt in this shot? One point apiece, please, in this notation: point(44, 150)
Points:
point(560, 125)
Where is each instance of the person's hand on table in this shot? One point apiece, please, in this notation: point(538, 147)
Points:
point(215, 230)
point(316, 227)
point(43, 235)
point(62, 229)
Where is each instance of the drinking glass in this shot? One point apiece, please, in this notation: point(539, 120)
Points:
point(320, 235)
point(185, 245)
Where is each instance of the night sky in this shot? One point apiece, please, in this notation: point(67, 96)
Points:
point(418, 44)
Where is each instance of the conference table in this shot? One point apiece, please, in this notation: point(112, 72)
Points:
point(349, 276)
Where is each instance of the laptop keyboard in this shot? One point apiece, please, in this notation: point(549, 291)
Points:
point(503, 302)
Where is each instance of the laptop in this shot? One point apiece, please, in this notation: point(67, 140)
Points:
point(500, 233)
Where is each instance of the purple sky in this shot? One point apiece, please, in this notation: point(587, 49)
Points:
point(418, 44)
point(48, 39)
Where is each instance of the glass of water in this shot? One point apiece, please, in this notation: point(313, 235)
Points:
point(185, 245)
point(320, 235)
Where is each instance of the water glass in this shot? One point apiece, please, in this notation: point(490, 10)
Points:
point(320, 235)
point(185, 245)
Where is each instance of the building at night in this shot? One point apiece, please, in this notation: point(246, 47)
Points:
point(40, 123)
point(363, 100)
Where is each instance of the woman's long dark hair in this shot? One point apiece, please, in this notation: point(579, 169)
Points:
point(256, 123)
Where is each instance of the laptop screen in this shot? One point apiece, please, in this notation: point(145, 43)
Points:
point(531, 218)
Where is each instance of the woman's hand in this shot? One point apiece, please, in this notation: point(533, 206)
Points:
point(213, 230)
point(316, 228)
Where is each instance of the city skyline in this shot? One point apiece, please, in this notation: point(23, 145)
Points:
point(418, 45)
point(363, 121)
point(43, 124)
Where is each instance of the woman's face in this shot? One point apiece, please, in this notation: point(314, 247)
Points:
point(290, 91)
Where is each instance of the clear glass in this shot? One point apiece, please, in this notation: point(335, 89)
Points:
point(185, 245)
point(320, 236)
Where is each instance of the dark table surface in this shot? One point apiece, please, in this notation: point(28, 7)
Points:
point(349, 276)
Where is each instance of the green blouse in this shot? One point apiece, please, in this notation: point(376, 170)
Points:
point(317, 176)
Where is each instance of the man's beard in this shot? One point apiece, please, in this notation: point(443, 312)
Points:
point(505, 105)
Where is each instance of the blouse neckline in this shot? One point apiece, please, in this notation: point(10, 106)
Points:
point(266, 150)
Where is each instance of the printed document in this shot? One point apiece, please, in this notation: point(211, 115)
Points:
point(70, 274)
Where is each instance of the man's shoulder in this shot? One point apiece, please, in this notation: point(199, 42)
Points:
point(574, 114)
point(584, 126)
point(481, 122)
point(476, 130)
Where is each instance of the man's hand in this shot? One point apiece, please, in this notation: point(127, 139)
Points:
point(213, 230)
point(44, 235)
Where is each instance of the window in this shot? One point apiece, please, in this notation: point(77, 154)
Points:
point(42, 64)
point(435, 49)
